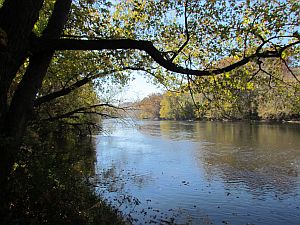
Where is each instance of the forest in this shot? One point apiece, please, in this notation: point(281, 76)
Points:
point(218, 59)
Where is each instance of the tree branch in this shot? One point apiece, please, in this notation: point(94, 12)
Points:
point(60, 93)
point(289, 69)
point(186, 32)
point(83, 110)
point(149, 48)
point(72, 87)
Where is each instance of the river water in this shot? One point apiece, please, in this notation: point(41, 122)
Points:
point(170, 172)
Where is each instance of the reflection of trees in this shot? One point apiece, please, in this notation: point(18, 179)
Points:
point(246, 134)
point(173, 130)
point(150, 127)
point(177, 130)
point(77, 152)
point(262, 157)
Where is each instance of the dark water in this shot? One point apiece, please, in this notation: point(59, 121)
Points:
point(169, 172)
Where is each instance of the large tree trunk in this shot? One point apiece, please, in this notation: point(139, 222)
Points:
point(14, 119)
point(17, 19)
point(23, 99)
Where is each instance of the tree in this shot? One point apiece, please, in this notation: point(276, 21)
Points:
point(177, 106)
point(150, 106)
point(183, 37)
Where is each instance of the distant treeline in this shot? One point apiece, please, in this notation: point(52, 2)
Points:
point(230, 96)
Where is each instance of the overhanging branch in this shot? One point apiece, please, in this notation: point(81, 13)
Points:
point(147, 46)
point(85, 110)
point(69, 89)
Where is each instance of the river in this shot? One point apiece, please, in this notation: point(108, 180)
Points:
point(171, 172)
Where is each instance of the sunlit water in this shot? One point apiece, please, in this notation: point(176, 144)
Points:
point(169, 172)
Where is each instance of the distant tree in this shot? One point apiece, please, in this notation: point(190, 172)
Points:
point(150, 106)
point(177, 106)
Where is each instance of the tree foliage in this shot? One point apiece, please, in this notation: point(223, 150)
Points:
point(236, 95)
point(177, 106)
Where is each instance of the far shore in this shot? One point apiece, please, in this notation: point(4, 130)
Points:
point(230, 120)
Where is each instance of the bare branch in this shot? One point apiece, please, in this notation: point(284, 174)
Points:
point(186, 32)
point(289, 69)
point(272, 38)
point(191, 92)
point(84, 110)
point(254, 75)
point(272, 77)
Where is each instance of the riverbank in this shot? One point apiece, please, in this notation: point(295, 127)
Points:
point(49, 185)
point(296, 121)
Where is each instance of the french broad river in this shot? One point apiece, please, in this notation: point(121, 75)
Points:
point(172, 172)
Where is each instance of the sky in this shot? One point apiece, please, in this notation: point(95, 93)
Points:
point(138, 89)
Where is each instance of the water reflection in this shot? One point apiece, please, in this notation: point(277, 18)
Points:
point(263, 157)
point(204, 172)
point(114, 178)
point(79, 153)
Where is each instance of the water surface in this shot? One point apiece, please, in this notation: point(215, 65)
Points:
point(168, 172)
